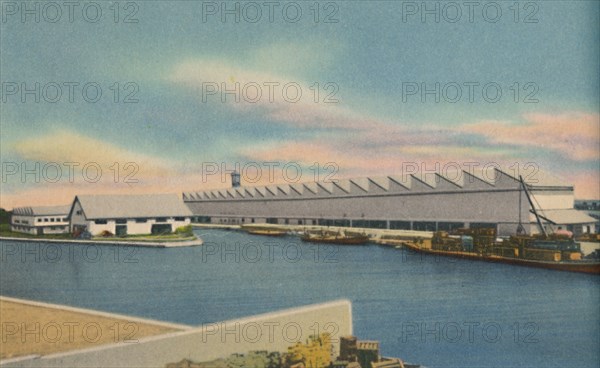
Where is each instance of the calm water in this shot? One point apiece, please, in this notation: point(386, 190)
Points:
point(435, 311)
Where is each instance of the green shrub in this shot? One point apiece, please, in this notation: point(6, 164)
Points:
point(184, 230)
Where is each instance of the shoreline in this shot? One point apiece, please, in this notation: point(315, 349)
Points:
point(157, 244)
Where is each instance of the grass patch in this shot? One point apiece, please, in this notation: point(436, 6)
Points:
point(182, 235)
point(148, 238)
point(6, 232)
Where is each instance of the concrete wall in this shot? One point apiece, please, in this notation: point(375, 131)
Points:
point(272, 331)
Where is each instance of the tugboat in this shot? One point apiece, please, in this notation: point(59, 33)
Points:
point(339, 237)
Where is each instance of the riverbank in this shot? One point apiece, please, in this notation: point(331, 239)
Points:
point(186, 242)
point(379, 236)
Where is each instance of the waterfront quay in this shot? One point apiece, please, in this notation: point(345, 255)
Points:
point(378, 236)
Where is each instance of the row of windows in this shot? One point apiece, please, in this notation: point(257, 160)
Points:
point(52, 219)
point(370, 224)
point(26, 228)
point(139, 220)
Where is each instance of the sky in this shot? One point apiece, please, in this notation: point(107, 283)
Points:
point(157, 96)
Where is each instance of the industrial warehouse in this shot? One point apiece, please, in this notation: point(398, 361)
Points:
point(405, 202)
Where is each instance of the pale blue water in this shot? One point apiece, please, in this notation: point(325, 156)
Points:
point(476, 314)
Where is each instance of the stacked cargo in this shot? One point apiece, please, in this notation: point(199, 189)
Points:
point(443, 241)
point(542, 255)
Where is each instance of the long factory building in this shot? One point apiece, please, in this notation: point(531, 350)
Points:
point(434, 202)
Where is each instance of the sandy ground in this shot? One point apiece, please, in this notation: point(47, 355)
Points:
point(28, 329)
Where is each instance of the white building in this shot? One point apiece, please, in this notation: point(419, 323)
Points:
point(128, 214)
point(492, 199)
point(40, 220)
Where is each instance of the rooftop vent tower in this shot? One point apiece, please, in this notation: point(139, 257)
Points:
point(235, 179)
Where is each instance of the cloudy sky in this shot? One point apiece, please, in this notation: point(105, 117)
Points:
point(369, 86)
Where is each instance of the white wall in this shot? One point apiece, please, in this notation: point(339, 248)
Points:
point(211, 341)
point(30, 224)
point(134, 227)
point(77, 216)
point(553, 201)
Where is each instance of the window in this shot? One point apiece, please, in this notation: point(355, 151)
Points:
point(64, 219)
point(121, 221)
point(424, 226)
point(39, 220)
point(161, 219)
point(179, 218)
point(79, 212)
point(400, 225)
point(17, 221)
point(203, 219)
point(52, 219)
point(100, 222)
point(45, 219)
point(140, 220)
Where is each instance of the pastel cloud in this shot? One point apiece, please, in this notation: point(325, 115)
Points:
point(56, 163)
point(575, 135)
point(312, 108)
point(66, 146)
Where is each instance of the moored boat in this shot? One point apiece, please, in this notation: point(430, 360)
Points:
point(266, 232)
point(336, 238)
point(581, 266)
point(556, 251)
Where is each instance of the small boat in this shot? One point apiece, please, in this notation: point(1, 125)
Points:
point(267, 232)
point(336, 238)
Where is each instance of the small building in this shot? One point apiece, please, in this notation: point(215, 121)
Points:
point(128, 214)
point(40, 220)
point(367, 352)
